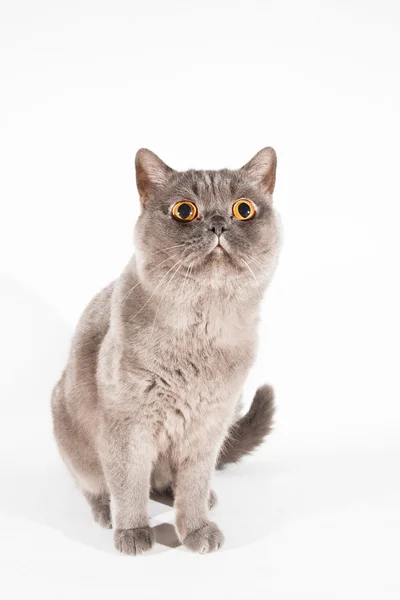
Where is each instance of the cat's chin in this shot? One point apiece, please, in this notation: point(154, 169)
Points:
point(219, 260)
point(218, 254)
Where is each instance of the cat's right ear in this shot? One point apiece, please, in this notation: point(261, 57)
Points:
point(151, 173)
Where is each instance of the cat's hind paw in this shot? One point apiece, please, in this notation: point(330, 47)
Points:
point(212, 500)
point(102, 515)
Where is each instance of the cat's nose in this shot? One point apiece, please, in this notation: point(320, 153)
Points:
point(218, 225)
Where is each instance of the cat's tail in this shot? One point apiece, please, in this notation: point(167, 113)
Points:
point(248, 432)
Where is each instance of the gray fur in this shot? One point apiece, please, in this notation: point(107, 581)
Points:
point(149, 398)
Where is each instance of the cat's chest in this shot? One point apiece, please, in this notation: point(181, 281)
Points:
point(190, 383)
point(198, 361)
point(198, 375)
point(190, 374)
point(196, 394)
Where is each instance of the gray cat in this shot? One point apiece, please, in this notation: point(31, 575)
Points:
point(150, 397)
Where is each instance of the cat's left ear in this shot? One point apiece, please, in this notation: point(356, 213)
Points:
point(151, 173)
point(262, 169)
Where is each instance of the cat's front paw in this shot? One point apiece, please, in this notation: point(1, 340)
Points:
point(134, 541)
point(208, 538)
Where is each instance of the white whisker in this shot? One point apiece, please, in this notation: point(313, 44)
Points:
point(163, 294)
point(261, 267)
point(168, 248)
point(185, 278)
point(154, 291)
point(151, 270)
point(255, 278)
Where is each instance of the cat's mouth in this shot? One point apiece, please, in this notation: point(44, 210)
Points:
point(220, 247)
point(220, 252)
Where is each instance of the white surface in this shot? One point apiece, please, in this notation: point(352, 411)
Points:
point(314, 514)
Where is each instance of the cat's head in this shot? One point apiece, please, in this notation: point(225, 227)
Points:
point(209, 226)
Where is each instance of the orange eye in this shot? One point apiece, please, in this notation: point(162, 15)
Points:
point(184, 211)
point(243, 209)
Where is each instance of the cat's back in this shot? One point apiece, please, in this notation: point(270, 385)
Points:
point(95, 320)
point(77, 385)
point(75, 396)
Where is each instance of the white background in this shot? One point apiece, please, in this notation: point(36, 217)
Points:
point(83, 85)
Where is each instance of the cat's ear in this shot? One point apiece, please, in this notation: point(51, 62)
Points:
point(262, 169)
point(151, 173)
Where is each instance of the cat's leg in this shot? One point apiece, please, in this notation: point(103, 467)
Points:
point(192, 497)
point(100, 505)
point(127, 453)
point(163, 478)
point(212, 500)
point(79, 456)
